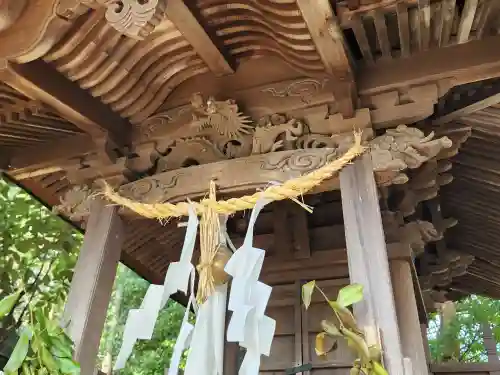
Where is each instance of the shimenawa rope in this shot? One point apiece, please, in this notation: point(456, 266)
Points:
point(290, 189)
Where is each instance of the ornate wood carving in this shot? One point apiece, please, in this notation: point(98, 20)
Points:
point(134, 18)
point(75, 203)
point(234, 176)
point(219, 133)
point(403, 148)
point(417, 234)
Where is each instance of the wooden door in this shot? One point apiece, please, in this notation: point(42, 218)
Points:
point(296, 330)
point(338, 362)
point(286, 351)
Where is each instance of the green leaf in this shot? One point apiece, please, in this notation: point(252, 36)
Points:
point(350, 294)
point(48, 359)
point(26, 369)
point(60, 348)
point(330, 328)
point(378, 369)
point(8, 303)
point(19, 353)
point(68, 366)
point(307, 291)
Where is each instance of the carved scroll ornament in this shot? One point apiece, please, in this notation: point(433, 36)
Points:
point(134, 18)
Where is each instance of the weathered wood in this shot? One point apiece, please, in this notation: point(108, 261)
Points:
point(40, 81)
point(448, 15)
point(92, 283)
point(360, 33)
point(327, 36)
point(382, 35)
point(425, 340)
point(490, 343)
point(404, 31)
point(368, 259)
point(408, 317)
point(467, 110)
point(212, 52)
point(468, 14)
point(470, 62)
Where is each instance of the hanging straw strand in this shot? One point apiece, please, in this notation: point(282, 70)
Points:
point(209, 244)
point(290, 189)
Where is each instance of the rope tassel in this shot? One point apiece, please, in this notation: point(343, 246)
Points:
point(213, 254)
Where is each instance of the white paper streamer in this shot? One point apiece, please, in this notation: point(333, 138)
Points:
point(140, 322)
point(248, 300)
point(206, 354)
point(183, 340)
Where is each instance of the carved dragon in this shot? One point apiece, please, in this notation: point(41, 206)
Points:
point(402, 148)
point(222, 116)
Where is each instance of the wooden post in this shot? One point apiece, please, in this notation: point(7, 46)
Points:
point(367, 259)
point(408, 319)
point(489, 343)
point(85, 311)
point(427, 349)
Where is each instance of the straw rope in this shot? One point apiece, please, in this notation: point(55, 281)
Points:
point(290, 189)
point(209, 245)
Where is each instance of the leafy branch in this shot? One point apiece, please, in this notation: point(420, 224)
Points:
point(50, 349)
point(343, 324)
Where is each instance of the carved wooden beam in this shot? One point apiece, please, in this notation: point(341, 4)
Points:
point(40, 81)
point(463, 63)
point(204, 42)
point(465, 100)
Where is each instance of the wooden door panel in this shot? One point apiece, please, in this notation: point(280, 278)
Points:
point(339, 361)
point(286, 350)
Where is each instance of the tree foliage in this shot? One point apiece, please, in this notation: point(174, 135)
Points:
point(466, 329)
point(149, 357)
point(34, 241)
point(39, 251)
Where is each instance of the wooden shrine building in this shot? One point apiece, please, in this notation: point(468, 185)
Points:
point(159, 97)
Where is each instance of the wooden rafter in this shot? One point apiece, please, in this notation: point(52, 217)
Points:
point(38, 80)
point(467, 100)
point(327, 36)
point(330, 44)
point(206, 45)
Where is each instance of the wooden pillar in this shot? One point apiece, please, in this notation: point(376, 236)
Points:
point(489, 343)
point(368, 261)
point(425, 339)
point(408, 319)
point(85, 311)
